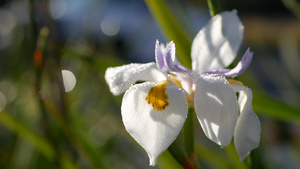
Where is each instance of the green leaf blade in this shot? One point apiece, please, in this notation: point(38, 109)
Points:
point(276, 109)
point(172, 30)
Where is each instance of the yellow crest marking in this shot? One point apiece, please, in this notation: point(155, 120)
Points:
point(157, 96)
point(234, 82)
point(175, 80)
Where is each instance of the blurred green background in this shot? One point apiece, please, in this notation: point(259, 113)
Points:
point(43, 126)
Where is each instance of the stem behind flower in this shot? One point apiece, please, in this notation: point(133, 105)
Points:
point(214, 7)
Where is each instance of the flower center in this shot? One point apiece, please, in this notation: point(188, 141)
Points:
point(189, 95)
point(175, 80)
point(157, 96)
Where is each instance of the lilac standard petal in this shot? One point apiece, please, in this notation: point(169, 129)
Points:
point(166, 60)
point(239, 69)
point(180, 68)
point(242, 65)
point(170, 57)
point(160, 58)
point(219, 72)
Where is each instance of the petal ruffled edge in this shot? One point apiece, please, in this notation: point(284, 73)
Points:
point(121, 78)
point(247, 130)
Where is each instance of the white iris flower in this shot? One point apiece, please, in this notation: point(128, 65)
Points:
point(154, 111)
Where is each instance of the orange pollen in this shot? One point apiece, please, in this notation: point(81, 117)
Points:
point(157, 96)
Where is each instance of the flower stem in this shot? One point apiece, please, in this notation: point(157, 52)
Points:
point(176, 152)
point(188, 133)
point(214, 7)
point(248, 162)
point(188, 136)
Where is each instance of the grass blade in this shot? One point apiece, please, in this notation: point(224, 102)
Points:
point(38, 142)
point(276, 109)
point(172, 30)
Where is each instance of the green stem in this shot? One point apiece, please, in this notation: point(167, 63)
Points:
point(214, 7)
point(189, 144)
point(248, 161)
point(177, 153)
point(234, 157)
point(188, 133)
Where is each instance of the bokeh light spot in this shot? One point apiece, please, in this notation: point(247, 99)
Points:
point(57, 8)
point(9, 90)
point(110, 26)
point(7, 23)
point(2, 101)
point(69, 80)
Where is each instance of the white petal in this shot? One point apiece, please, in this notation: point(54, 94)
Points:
point(216, 45)
point(153, 130)
point(247, 130)
point(121, 78)
point(216, 108)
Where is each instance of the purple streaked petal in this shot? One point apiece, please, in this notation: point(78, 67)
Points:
point(170, 56)
point(239, 69)
point(166, 60)
point(159, 57)
point(177, 67)
point(242, 65)
point(219, 72)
